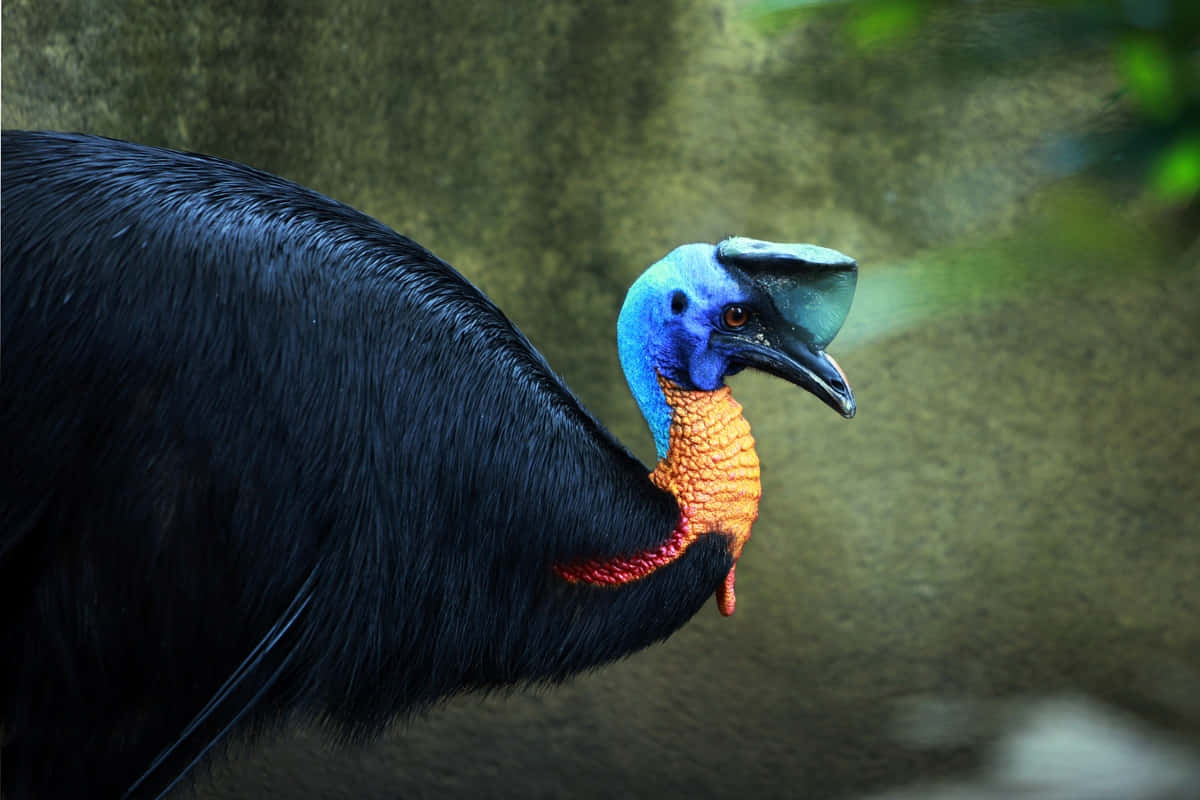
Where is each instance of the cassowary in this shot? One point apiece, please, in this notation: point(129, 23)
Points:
point(263, 457)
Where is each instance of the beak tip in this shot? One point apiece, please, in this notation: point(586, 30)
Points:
point(846, 406)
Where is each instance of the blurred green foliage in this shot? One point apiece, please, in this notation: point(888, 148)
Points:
point(1153, 47)
point(879, 22)
point(1074, 240)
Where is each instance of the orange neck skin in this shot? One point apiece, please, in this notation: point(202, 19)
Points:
point(712, 470)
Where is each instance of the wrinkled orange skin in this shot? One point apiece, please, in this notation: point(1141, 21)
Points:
point(711, 468)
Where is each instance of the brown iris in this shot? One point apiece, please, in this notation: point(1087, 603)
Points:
point(735, 316)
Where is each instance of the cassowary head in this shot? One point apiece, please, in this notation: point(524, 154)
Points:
point(699, 314)
point(705, 312)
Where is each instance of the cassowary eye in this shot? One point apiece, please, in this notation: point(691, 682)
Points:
point(735, 316)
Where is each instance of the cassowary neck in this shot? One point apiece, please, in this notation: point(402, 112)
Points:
point(711, 468)
point(635, 345)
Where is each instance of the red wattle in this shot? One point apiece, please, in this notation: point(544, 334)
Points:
point(623, 569)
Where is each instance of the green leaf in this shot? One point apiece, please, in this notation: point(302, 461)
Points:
point(1145, 65)
point(1175, 174)
point(882, 22)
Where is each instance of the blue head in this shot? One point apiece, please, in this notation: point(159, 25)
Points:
point(705, 311)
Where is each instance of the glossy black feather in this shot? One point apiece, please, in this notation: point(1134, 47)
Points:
point(217, 384)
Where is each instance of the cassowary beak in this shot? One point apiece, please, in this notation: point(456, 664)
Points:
point(814, 370)
point(802, 295)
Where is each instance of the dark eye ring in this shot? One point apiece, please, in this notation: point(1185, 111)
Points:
point(735, 316)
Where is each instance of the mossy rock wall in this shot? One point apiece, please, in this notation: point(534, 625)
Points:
point(1015, 509)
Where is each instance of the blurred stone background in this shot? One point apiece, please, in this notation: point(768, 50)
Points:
point(1015, 510)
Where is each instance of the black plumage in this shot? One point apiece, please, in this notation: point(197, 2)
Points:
point(250, 432)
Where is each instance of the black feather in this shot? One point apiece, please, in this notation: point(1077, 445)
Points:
point(222, 393)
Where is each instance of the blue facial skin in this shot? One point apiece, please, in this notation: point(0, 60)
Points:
point(665, 327)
